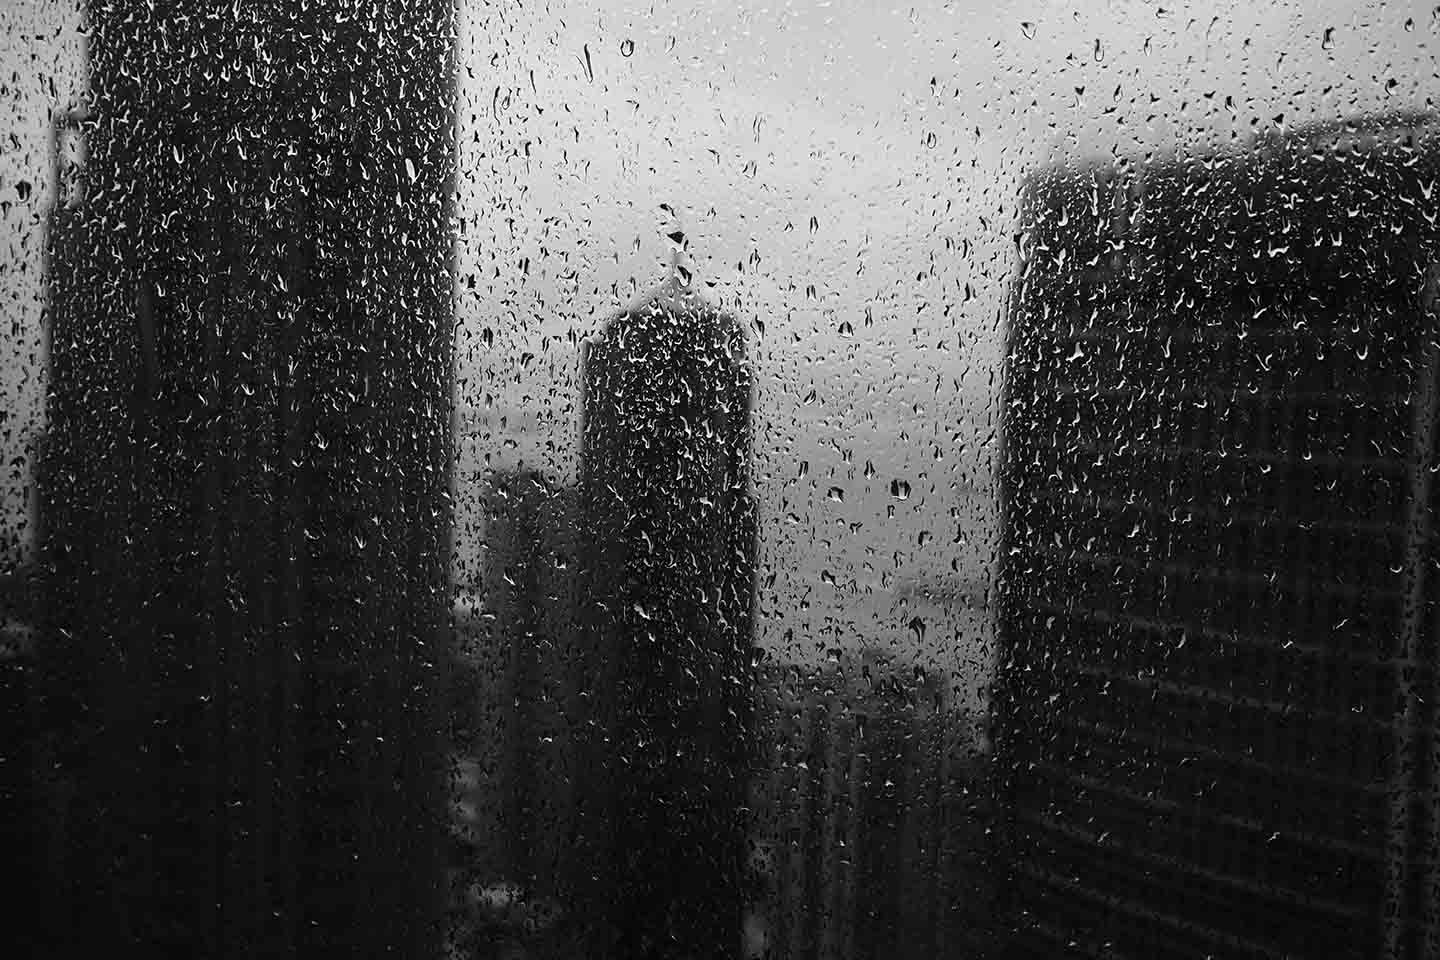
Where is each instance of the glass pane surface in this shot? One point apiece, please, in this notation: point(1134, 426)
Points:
point(720, 480)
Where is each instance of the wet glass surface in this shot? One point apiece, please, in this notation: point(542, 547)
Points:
point(680, 480)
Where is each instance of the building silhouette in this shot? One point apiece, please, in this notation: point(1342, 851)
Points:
point(18, 734)
point(665, 607)
point(1218, 615)
point(869, 807)
point(245, 488)
point(513, 712)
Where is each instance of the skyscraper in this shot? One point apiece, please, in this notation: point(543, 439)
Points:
point(869, 811)
point(1218, 601)
point(513, 709)
point(245, 484)
point(665, 597)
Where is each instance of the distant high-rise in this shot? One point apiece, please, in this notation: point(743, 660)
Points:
point(513, 707)
point(666, 585)
point(244, 486)
point(1218, 606)
point(870, 813)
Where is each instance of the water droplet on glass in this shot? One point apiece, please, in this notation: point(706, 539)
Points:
point(627, 47)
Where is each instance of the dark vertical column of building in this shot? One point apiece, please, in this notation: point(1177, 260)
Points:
point(529, 573)
point(21, 754)
point(1218, 644)
point(511, 711)
point(668, 541)
point(1422, 613)
point(245, 482)
point(865, 826)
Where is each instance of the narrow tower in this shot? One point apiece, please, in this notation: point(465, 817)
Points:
point(668, 555)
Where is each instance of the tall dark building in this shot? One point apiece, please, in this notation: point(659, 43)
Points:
point(244, 486)
point(1218, 617)
point(665, 607)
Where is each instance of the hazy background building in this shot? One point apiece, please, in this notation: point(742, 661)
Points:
point(1218, 613)
point(870, 810)
point(513, 713)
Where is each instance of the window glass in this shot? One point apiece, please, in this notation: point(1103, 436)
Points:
point(701, 479)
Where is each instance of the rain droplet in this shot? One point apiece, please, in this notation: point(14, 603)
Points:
point(627, 47)
point(1028, 29)
point(1327, 42)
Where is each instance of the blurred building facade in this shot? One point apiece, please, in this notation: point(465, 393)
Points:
point(513, 713)
point(666, 586)
point(244, 487)
point(1218, 614)
point(869, 808)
